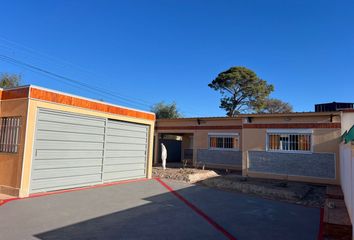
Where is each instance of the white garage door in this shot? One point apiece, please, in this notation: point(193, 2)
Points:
point(73, 150)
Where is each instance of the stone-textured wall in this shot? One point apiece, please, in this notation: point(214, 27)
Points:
point(224, 157)
point(320, 165)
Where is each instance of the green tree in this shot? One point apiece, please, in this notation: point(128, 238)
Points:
point(272, 105)
point(165, 110)
point(9, 80)
point(241, 90)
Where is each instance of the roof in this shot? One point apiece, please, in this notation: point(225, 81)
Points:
point(240, 116)
point(335, 103)
point(44, 94)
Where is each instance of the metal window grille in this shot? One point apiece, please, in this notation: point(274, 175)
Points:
point(224, 142)
point(289, 142)
point(9, 134)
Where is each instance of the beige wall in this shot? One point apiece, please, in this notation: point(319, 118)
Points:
point(11, 163)
point(324, 139)
point(255, 139)
point(187, 141)
point(201, 137)
point(33, 107)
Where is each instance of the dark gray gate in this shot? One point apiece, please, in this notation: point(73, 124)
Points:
point(173, 150)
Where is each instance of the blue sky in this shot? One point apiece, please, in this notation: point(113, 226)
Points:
point(144, 52)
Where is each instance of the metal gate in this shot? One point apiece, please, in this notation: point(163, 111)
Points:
point(72, 150)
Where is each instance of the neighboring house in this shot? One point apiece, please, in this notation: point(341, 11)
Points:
point(51, 140)
point(294, 146)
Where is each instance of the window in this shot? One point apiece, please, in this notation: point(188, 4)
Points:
point(291, 141)
point(224, 141)
point(9, 134)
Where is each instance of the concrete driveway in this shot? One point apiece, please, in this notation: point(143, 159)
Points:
point(148, 210)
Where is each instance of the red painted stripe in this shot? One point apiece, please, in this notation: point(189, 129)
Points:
point(320, 230)
point(292, 125)
point(198, 127)
point(35, 195)
point(198, 211)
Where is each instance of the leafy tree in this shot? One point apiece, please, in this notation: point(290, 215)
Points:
point(272, 105)
point(9, 80)
point(241, 90)
point(164, 110)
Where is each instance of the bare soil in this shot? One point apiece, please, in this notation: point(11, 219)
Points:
point(189, 175)
point(294, 192)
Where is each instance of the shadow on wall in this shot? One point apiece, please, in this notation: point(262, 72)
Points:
point(174, 148)
point(328, 145)
point(166, 217)
point(319, 165)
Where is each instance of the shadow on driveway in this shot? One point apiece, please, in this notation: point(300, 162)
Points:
point(146, 210)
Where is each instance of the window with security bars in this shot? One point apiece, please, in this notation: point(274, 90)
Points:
point(224, 142)
point(289, 142)
point(9, 134)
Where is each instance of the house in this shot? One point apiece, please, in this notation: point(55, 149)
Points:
point(294, 146)
point(51, 140)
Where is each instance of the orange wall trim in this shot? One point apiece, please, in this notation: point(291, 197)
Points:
point(199, 127)
point(46, 95)
point(49, 96)
point(14, 93)
point(293, 125)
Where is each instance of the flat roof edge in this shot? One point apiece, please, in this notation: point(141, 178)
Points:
point(14, 88)
point(26, 92)
point(89, 99)
point(241, 116)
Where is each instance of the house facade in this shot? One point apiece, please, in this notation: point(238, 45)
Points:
point(292, 146)
point(51, 140)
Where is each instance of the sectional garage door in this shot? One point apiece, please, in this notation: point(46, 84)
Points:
point(125, 152)
point(72, 150)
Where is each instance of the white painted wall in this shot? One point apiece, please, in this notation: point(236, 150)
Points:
point(347, 177)
point(347, 121)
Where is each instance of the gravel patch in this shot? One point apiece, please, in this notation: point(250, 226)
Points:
point(189, 175)
point(294, 192)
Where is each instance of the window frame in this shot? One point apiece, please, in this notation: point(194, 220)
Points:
point(12, 139)
point(290, 132)
point(224, 135)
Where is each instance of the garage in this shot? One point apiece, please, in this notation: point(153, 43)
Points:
point(74, 150)
point(57, 140)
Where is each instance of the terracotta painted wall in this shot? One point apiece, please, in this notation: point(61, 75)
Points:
point(11, 163)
